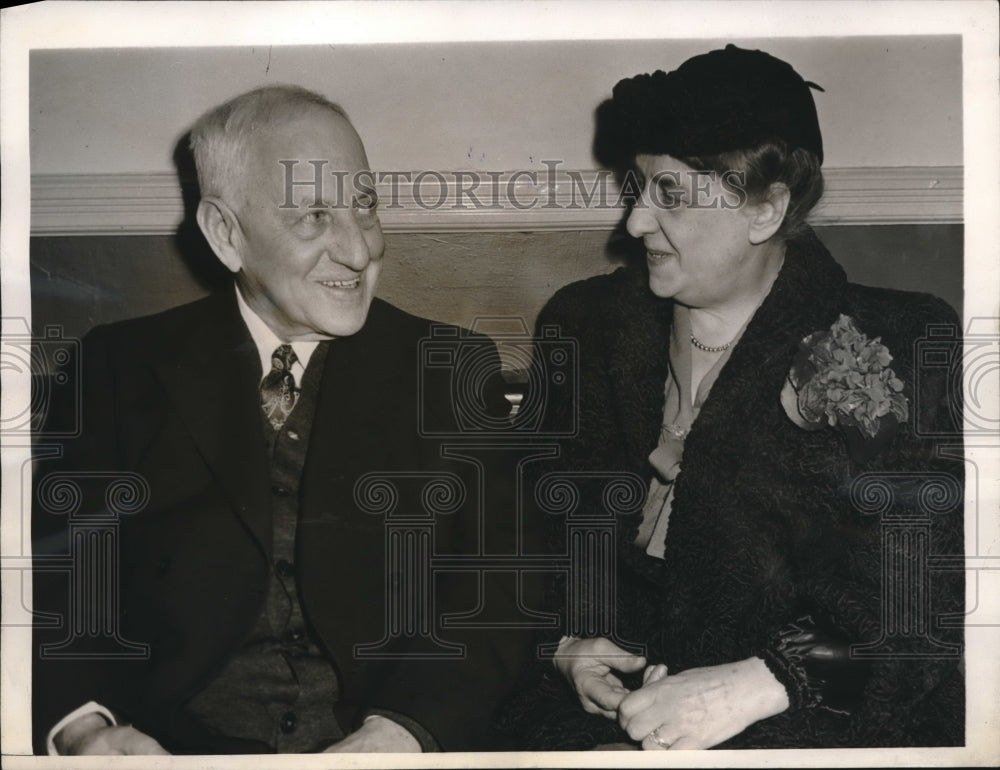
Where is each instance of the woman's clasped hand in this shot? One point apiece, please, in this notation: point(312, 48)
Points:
point(587, 664)
point(694, 709)
point(700, 707)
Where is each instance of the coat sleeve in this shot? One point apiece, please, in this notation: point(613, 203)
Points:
point(452, 702)
point(896, 605)
point(62, 682)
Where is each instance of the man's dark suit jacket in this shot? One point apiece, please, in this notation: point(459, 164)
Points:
point(174, 398)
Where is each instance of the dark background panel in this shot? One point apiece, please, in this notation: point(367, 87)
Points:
point(80, 282)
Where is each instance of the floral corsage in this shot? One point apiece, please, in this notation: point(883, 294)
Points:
point(842, 379)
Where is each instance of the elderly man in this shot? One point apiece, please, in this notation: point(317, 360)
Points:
point(253, 572)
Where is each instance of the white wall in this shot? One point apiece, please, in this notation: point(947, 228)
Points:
point(889, 101)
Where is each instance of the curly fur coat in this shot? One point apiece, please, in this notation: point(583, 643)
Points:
point(763, 524)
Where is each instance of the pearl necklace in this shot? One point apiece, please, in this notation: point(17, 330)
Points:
point(709, 348)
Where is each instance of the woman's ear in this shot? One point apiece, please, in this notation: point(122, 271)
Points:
point(222, 231)
point(769, 213)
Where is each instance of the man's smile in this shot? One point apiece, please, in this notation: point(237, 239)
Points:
point(350, 283)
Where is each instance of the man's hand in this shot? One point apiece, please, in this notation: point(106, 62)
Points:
point(587, 665)
point(377, 734)
point(90, 734)
point(701, 707)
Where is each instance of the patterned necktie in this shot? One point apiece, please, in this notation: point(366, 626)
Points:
point(278, 393)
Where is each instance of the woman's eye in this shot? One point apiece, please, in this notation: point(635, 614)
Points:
point(670, 195)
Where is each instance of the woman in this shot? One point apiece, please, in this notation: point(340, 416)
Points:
point(708, 369)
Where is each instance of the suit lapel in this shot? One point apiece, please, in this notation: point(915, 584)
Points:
point(362, 399)
point(211, 371)
point(364, 403)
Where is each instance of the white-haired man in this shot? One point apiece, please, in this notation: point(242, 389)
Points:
point(253, 573)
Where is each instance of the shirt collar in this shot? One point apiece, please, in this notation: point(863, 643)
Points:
point(267, 341)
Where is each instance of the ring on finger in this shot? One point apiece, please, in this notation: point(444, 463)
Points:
point(658, 740)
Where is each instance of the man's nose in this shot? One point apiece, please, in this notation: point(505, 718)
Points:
point(347, 244)
point(640, 220)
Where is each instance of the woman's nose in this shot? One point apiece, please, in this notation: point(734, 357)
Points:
point(640, 220)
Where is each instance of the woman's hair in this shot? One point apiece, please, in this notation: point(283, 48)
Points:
point(726, 110)
point(221, 139)
point(772, 162)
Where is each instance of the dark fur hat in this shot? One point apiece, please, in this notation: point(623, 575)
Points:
point(724, 100)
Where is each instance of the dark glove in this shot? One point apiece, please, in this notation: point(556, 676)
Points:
point(812, 659)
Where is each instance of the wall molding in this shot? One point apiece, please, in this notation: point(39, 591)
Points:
point(527, 201)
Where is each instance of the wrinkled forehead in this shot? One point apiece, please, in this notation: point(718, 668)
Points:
point(313, 154)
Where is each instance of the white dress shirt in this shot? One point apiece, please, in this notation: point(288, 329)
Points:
point(267, 341)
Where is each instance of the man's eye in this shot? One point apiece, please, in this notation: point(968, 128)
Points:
point(314, 217)
point(366, 201)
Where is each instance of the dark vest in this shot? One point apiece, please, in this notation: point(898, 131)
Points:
point(279, 689)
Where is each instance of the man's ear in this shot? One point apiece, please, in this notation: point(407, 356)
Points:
point(769, 213)
point(222, 231)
